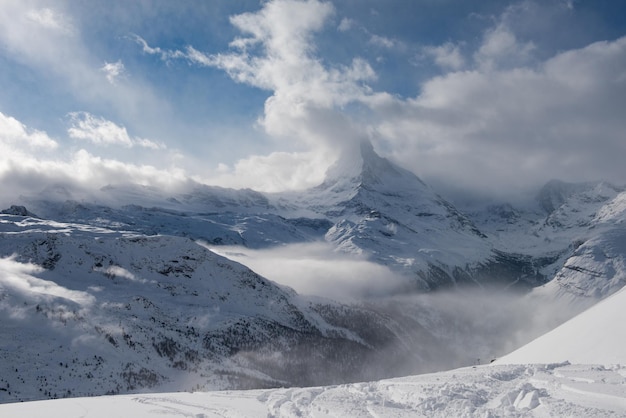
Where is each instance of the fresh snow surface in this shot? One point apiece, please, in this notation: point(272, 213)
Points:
point(598, 336)
point(554, 390)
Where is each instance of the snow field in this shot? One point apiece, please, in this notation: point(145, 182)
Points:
point(482, 391)
point(597, 336)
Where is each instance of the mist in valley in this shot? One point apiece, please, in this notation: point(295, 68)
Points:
point(438, 330)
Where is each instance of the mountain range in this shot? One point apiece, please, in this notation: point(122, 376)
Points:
point(117, 290)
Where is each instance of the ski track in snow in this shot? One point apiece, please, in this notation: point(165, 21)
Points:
point(481, 391)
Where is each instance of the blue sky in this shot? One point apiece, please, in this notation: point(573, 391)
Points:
point(487, 96)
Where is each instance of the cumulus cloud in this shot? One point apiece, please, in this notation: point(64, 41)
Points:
point(277, 53)
point(501, 48)
point(15, 134)
point(286, 64)
point(100, 131)
point(517, 126)
point(275, 172)
point(32, 162)
point(81, 170)
point(499, 115)
point(447, 56)
point(502, 119)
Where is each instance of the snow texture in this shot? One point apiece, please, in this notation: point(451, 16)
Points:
point(597, 336)
point(483, 391)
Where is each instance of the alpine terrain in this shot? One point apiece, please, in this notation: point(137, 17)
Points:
point(117, 291)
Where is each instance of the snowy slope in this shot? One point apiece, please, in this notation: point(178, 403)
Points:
point(595, 270)
point(560, 217)
point(486, 391)
point(87, 310)
point(210, 216)
point(596, 336)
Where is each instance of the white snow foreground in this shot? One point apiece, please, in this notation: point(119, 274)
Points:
point(482, 391)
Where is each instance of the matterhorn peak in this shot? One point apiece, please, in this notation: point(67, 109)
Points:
point(360, 166)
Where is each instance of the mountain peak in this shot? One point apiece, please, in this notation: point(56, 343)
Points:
point(360, 166)
point(556, 192)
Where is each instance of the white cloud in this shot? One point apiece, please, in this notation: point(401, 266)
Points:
point(498, 116)
point(501, 48)
point(31, 162)
point(113, 70)
point(517, 126)
point(40, 35)
point(91, 169)
point(447, 56)
point(304, 108)
point(275, 172)
point(97, 130)
point(382, 41)
point(51, 19)
point(315, 269)
point(286, 65)
point(100, 131)
point(15, 134)
point(345, 25)
point(503, 120)
point(46, 39)
point(80, 173)
point(20, 278)
point(165, 55)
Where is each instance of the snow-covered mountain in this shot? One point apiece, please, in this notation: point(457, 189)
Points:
point(579, 228)
point(387, 213)
point(367, 206)
point(110, 291)
point(86, 310)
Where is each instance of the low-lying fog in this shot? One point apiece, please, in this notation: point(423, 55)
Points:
point(477, 324)
point(315, 269)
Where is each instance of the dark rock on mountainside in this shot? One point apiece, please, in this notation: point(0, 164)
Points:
point(18, 210)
